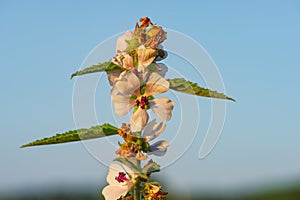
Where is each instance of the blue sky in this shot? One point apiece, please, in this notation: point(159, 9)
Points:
point(255, 45)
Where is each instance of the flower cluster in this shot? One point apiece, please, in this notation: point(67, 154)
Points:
point(135, 85)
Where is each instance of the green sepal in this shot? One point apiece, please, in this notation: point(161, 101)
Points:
point(132, 45)
point(100, 67)
point(135, 108)
point(131, 166)
point(147, 107)
point(150, 97)
point(143, 89)
point(133, 97)
point(77, 135)
point(188, 87)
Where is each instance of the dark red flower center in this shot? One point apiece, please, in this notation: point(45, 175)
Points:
point(142, 103)
point(121, 178)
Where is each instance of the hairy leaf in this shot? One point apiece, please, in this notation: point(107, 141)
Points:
point(77, 135)
point(182, 85)
point(101, 67)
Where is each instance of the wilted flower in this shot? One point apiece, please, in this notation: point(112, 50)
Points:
point(120, 180)
point(124, 60)
point(135, 144)
point(152, 191)
point(129, 92)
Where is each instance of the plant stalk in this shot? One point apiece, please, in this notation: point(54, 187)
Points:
point(137, 191)
point(137, 188)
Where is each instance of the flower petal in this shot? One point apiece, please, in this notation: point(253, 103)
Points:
point(159, 148)
point(112, 173)
point(153, 129)
point(121, 41)
point(113, 192)
point(128, 62)
point(156, 84)
point(122, 104)
point(127, 83)
point(162, 107)
point(124, 60)
point(138, 120)
point(113, 76)
point(145, 56)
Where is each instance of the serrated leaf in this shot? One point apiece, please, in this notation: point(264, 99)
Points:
point(77, 135)
point(100, 67)
point(188, 87)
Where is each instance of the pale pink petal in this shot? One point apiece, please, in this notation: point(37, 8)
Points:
point(113, 76)
point(153, 129)
point(127, 83)
point(138, 120)
point(112, 173)
point(114, 192)
point(145, 56)
point(156, 84)
point(162, 107)
point(122, 104)
point(121, 41)
point(159, 148)
point(128, 62)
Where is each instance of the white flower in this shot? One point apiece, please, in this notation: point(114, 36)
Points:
point(126, 94)
point(119, 180)
point(152, 130)
point(122, 41)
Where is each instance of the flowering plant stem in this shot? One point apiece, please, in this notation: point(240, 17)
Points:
point(137, 188)
point(136, 78)
point(137, 191)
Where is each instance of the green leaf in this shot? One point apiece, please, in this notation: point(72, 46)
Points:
point(182, 85)
point(105, 66)
point(77, 135)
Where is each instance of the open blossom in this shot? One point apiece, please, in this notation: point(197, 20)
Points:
point(120, 182)
point(126, 94)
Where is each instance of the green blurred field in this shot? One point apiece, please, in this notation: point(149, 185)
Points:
point(287, 193)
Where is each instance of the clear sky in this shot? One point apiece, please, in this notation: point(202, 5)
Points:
point(255, 45)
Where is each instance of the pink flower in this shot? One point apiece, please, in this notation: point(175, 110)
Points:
point(126, 94)
point(120, 182)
